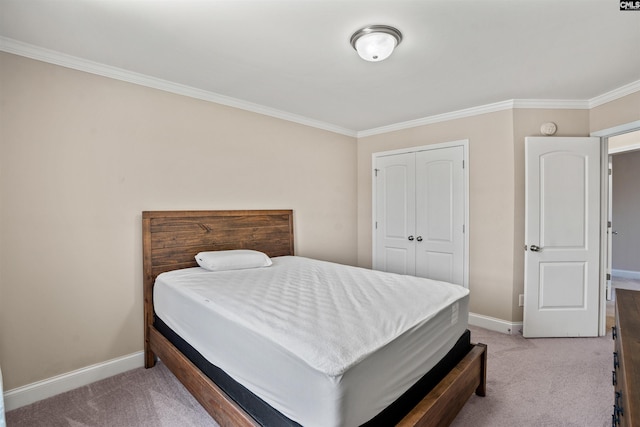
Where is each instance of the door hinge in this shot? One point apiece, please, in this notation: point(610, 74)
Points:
point(608, 224)
point(376, 225)
point(610, 172)
point(376, 171)
point(463, 228)
point(608, 276)
point(463, 164)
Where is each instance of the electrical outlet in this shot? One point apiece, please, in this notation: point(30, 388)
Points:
point(521, 300)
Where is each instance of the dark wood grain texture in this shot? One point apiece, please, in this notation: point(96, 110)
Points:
point(627, 347)
point(171, 239)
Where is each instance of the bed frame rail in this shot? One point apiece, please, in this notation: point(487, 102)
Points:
point(442, 404)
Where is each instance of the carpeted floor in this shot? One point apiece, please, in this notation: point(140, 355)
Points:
point(536, 382)
point(543, 382)
point(138, 398)
point(546, 382)
point(141, 397)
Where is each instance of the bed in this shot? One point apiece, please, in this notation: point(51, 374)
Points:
point(170, 241)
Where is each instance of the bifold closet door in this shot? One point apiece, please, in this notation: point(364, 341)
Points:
point(440, 214)
point(419, 217)
point(396, 214)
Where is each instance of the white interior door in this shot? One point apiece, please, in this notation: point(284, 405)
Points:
point(395, 214)
point(440, 219)
point(562, 237)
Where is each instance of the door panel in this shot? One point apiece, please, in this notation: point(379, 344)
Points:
point(563, 237)
point(395, 214)
point(396, 260)
point(563, 285)
point(439, 224)
point(438, 199)
point(437, 265)
point(563, 193)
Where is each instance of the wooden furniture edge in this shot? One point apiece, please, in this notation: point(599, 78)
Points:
point(441, 406)
point(627, 370)
point(148, 282)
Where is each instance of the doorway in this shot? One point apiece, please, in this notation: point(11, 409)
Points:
point(624, 208)
point(609, 142)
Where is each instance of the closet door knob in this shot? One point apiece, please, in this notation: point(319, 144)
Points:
point(419, 238)
point(411, 238)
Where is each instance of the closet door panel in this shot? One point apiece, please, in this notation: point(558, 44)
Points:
point(395, 213)
point(440, 214)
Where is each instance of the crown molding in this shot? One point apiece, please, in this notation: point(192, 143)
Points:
point(618, 93)
point(68, 61)
point(53, 57)
point(551, 104)
point(468, 112)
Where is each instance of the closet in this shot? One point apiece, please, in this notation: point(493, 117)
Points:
point(420, 212)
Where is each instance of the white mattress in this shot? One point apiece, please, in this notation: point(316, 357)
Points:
point(325, 344)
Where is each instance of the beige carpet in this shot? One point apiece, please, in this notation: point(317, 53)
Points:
point(141, 397)
point(537, 382)
point(543, 382)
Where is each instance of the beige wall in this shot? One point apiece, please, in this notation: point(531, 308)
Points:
point(626, 141)
point(81, 156)
point(626, 211)
point(611, 114)
point(491, 201)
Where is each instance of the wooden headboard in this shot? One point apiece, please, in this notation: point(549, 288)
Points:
point(171, 239)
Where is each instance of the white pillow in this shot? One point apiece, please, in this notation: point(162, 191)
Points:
point(236, 259)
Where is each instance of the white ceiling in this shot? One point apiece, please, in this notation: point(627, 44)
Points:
point(294, 56)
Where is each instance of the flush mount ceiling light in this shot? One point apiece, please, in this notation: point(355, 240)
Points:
point(376, 42)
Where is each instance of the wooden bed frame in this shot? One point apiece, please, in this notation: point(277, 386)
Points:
point(170, 241)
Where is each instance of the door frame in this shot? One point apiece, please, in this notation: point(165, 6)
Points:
point(465, 145)
point(604, 135)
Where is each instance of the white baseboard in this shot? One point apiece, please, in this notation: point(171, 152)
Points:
point(494, 324)
point(627, 274)
point(30, 393)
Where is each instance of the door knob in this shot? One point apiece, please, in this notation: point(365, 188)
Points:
point(535, 248)
point(411, 238)
point(419, 238)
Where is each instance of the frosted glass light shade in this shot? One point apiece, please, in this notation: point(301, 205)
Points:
point(376, 42)
point(375, 46)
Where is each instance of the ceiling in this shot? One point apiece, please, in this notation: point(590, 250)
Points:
point(293, 56)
